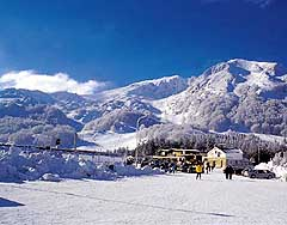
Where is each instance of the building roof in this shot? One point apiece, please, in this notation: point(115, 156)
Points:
point(231, 153)
point(229, 150)
point(179, 150)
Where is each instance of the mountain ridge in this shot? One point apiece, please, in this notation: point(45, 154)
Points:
point(238, 95)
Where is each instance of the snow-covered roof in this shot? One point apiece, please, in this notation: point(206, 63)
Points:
point(230, 153)
point(185, 151)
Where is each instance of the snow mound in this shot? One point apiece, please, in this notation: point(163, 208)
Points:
point(280, 171)
point(284, 177)
point(277, 165)
point(17, 165)
point(131, 170)
point(262, 166)
point(51, 177)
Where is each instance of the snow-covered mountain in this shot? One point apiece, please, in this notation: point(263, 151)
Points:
point(149, 89)
point(24, 97)
point(240, 95)
point(119, 121)
point(237, 75)
point(134, 97)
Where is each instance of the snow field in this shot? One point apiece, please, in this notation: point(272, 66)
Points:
point(167, 199)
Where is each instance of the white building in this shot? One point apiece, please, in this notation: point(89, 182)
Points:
point(224, 156)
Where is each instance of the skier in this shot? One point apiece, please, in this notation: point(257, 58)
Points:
point(229, 172)
point(198, 170)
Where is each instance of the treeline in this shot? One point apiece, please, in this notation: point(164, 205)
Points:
point(252, 146)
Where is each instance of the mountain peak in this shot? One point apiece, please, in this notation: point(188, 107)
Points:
point(245, 67)
point(151, 89)
point(160, 80)
point(253, 66)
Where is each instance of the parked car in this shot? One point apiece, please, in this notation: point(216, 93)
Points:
point(260, 174)
point(245, 171)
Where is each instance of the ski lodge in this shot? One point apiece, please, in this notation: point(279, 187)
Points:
point(223, 156)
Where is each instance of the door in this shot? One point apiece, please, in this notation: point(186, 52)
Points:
point(260, 174)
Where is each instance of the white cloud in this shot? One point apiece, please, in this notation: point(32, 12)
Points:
point(31, 80)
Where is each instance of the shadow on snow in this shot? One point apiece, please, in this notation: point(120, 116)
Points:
point(7, 203)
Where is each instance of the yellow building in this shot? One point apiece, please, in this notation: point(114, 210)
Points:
point(183, 155)
point(185, 159)
point(177, 153)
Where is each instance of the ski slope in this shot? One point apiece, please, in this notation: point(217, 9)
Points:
point(164, 199)
point(110, 141)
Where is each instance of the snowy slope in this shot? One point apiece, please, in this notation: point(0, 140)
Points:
point(110, 141)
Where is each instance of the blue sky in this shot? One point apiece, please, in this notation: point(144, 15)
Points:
point(122, 41)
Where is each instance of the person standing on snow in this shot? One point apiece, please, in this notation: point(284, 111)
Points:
point(198, 170)
point(207, 167)
point(172, 167)
point(229, 172)
point(213, 165)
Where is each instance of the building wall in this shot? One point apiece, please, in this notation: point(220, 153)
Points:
point(221, 158)
point(218, 156)
point(219, 162)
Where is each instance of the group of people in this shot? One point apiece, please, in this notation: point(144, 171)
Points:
point(200, 167)
point(166, 165)
point(229, 171)
point(206, 167)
